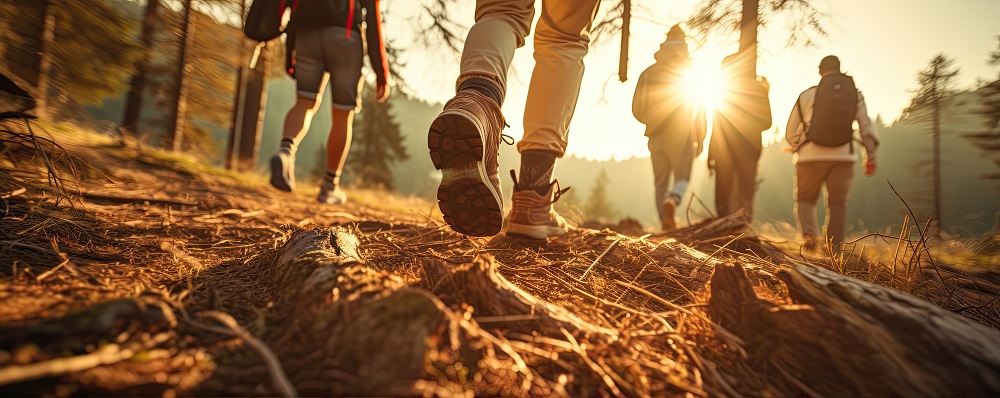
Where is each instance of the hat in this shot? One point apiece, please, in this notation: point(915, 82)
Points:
point(830, 63)
point(676, 33)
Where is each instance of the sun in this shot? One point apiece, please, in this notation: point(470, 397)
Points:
point(704, 83)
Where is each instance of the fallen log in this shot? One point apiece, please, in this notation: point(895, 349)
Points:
point(846, 337)
point(368, 332)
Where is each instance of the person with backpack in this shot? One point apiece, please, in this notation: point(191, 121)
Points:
point(328, 46)
point(743, 113)
point(821, 135)
point(674, 126)
point(464, 139)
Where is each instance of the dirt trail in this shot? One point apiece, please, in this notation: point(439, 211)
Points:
point(152, 275)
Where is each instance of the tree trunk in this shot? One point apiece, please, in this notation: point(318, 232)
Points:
point(45, 63)
point(936, 133)
point(133, 102)
point(179, 114)
point(845, 337)
point(626, 32)
point(748, 34)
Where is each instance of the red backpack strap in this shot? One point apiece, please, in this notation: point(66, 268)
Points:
point(350, 17)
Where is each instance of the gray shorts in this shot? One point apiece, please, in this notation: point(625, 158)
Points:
point(329, 50)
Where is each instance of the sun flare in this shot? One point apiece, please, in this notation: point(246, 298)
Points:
point(704, 83)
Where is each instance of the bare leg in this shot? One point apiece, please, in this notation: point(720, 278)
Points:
point(339, 141)
point(299, 118)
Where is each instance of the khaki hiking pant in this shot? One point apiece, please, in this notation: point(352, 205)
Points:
point(562, 38)
point(809, 177)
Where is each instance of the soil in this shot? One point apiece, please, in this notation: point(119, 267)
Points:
point(127, 271)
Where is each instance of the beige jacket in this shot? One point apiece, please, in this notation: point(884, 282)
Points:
point(810, 152)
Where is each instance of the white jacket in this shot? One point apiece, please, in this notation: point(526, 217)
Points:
point(811, 152)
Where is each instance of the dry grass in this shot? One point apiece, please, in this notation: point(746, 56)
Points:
point(196, 243)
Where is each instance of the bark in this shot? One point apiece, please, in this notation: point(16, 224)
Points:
point(179, 114)
point(748, 34)
point(845, 337)
point(45, 63)
point(133, 103)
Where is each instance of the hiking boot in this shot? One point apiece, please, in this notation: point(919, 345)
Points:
point(669, 206)
point(464, 143)
point(531, 214)
point(331, 194)
point(283, 170)
point(810, 243)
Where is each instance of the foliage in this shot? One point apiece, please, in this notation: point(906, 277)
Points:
point(989, 140)
point(378, 143)
point(805, 21)
point(598, 206)
point(94, 49)
point(212, 57)
point(936, 84)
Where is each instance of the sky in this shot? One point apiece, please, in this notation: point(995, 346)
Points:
point(882, 43)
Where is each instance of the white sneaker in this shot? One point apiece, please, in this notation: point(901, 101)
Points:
point(331, 194)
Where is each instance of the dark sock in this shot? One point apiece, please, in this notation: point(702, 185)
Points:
point(536, 170)
point(333, 177)
point(289, 144)
point(484, 87)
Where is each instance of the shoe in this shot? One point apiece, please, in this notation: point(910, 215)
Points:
point(283, 170)
point(331, 194)
point(669, 206)
point(531, 214)
point(464, 143)
point(810, 243)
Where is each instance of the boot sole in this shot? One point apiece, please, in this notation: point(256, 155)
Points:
point(468, 200)
point(534, 231)
point(277, 169)
point(668, 216)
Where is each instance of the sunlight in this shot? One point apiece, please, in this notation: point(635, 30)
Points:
point(703, 82)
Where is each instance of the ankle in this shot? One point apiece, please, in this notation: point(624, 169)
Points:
point(332, 177)
point(537, 167)
point(484, 87)
point(288, 145)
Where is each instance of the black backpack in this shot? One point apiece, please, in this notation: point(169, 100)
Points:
point(264, 19)
point(833, 111)
point(311, 14)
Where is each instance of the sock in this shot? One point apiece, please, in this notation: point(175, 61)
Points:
point(288, 144)
point(678, 191)
point(536, 170)
point(484, 87)
point(333, 177)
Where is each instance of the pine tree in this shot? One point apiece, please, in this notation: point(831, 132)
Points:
point(137, 86)
point(377, 144)
point(598, 206)
point(989, 139)
point(91, 55)
point(936, 84)
point(745, 16)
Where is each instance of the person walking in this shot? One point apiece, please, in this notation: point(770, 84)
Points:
point(820, 133)
point(743, 114)
point(675, 126)
point(464, 139)
point(329, 47)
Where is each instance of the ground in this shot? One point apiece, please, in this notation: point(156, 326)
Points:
point(125, 270)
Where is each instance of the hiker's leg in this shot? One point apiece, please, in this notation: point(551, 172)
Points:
point(344, 58)
point(725, 187)
point(808, 180)
point(310, 81)
point(500, 28)
point(838, 188)
point(746, 186)
point(339, 142)
point(562, 38)
point(661, 172)
point(682, 172)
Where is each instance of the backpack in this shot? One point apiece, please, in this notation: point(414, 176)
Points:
point(833, 111)
point(263, 21)
point(311, 14)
